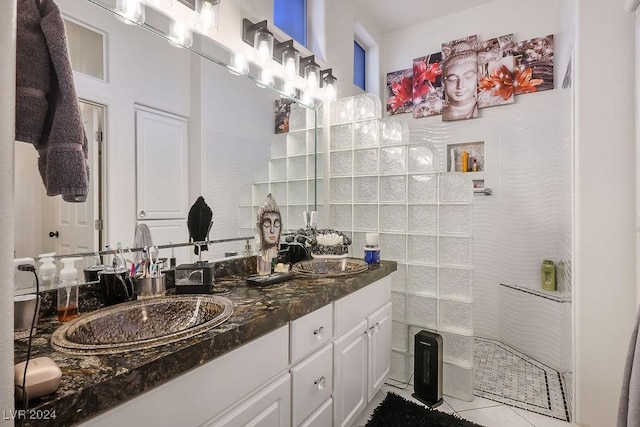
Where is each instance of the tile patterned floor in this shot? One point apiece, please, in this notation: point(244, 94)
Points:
point(510, 390)
point(505, 375)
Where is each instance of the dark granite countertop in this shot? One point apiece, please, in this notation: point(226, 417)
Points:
point(93, 384)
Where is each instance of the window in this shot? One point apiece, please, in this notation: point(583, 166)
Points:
point(291, 17)
point(359, 66)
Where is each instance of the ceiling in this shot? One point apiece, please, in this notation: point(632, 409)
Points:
point(391, 16)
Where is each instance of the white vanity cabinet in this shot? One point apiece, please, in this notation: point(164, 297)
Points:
point(319, 370)
point(361, 350)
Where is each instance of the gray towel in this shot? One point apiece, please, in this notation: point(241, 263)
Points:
point(629, 408)
point(47, 111)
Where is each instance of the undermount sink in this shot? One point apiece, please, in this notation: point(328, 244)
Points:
point(325, 267)
point(141, 324)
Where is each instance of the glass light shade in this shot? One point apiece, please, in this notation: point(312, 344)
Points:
point(330, 92)
point(239, 64)
point(130, 11)
point(180, 35)
point(263, 43)
point(312, 76)
point(208, 13)
point(288, 88)
point(266, 77)
point(291, 63)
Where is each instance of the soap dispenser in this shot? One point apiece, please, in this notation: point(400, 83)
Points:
point(68, 291)
point(47, 270)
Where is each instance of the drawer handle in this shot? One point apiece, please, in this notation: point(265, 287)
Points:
point(320, 382)
point(319, 332)
point(377, 326)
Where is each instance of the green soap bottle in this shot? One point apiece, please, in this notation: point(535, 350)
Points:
point(548, 275)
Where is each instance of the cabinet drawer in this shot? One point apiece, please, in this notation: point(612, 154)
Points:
point(312, 383)
point(267, 408)
point(356, 306)
point(322, 417)
point(311, 332)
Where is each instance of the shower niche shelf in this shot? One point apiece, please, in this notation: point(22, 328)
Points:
point(475, 151)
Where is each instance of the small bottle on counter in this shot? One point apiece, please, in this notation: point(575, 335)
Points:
point(371, 249)
point(68, 291)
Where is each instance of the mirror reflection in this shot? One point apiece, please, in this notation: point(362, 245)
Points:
point(165, 126)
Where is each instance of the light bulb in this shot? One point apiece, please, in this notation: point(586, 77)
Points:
point(312, 80)
point(290, 69)
point(180, 35)
point(239, 64)
point(263, 53)
point(130, 11)
point(208, 16)
point(266, 78)
point(330, 92)
point(263, 43)
point(288, 88)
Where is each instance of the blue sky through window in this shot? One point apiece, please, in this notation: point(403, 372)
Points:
point(291, 17)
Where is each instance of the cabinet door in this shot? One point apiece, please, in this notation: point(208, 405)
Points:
point(270, 407)
point(161, 165)
point(350, 374)
point(311, 383)
point(379, 348)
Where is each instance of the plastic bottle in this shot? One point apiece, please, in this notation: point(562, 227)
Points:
point(465, 161)
point(68, 291)
point(474, 167)
point(47, 270)
point(548, 275)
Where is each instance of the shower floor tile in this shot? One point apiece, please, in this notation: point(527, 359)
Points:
point(505, 375)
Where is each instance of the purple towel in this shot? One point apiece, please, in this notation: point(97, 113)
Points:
point(47, 111)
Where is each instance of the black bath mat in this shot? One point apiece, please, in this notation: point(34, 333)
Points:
point(395, 411)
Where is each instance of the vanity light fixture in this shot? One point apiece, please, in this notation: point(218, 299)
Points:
point(310, 72)
point(130, 11)
point(329, 84)
point(258, 36)
point(289, 57)
point(180, 35)
point(208, 13)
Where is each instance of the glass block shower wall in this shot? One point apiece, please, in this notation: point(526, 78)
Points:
point(381, 182)
point(289, 174)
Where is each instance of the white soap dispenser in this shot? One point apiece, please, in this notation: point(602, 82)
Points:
point(68, 291)
point(47, 270)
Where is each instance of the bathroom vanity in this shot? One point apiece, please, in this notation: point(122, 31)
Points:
point(309, 351)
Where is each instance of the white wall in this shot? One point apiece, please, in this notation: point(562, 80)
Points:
point(605, 254)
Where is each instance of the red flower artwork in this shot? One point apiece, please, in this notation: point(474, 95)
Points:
point(500, 80)
point(523, 83)
point(401, 93)
point(423, 76)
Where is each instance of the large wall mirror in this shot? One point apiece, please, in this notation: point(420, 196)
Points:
point(165, 125)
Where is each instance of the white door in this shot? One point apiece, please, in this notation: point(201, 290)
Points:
point(161, 165)
point(71, 227)
point(379, 348)
point(350, 374)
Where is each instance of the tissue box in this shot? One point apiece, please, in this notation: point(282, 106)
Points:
point(194, 278)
